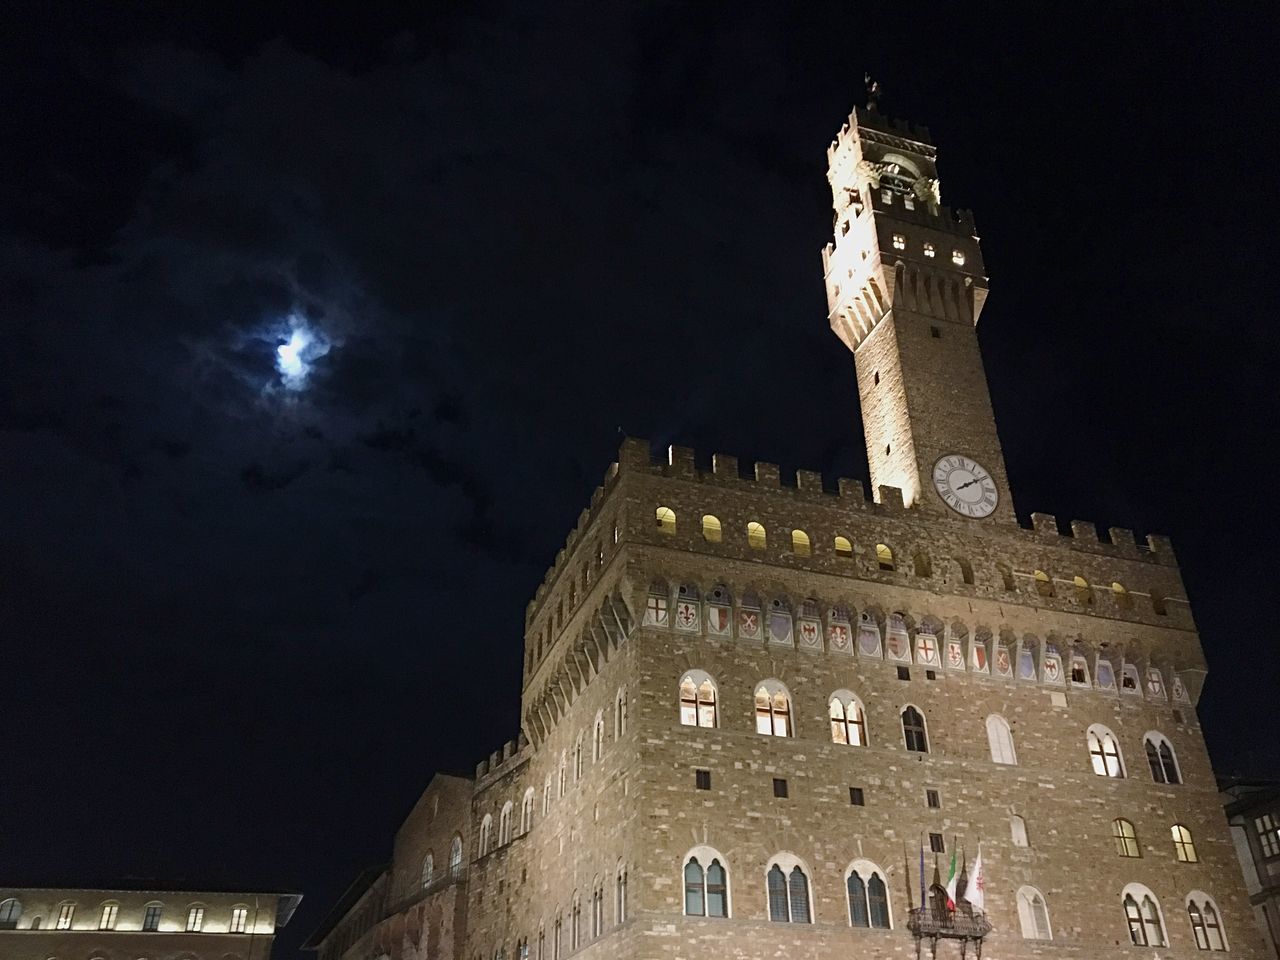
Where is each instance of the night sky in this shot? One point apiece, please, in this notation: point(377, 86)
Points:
point(245, 616)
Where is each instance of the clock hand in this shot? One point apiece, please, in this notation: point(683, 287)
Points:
point(969, 484)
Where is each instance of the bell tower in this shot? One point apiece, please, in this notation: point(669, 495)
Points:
point(905, 287)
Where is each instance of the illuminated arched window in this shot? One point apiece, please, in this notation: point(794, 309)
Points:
point(773, 709)
point(1104, 752)
point(1184, 847)
point(428, 870)
point(1044, 586)
point(1126, 838)
point(597, 738)
point(884, 557)
point(455, 858)
point(1119, 594)
point(1084, 595)
point(800, 543)
point(697, 700)
point(1033, 915)
point(844, 547)
point(711, 528)
point(848, 719)
point(1143, 917)
point(666, 519)
point(756, 537)
point(486, 833)
point(1206, 927)
point(10, 911)
point(526, 812)
point(1000, 740)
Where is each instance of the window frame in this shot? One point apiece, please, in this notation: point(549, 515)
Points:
point(1000, 741)
point(696, 707)
point(1141, 897)
point(866, 871)
point(1162, 759)
point(771, 713)
point(1125, 835)
point(847, 701)
point(705, 857)
point(921, 734)
point(1027, 897)
point(1101, 735)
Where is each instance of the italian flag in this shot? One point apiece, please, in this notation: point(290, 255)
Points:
point(953, 878)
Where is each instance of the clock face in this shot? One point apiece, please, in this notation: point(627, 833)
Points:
point(965, 485)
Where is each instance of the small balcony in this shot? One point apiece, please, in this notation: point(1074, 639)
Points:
point(936, 922)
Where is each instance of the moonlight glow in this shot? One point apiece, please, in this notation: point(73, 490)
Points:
point(298, 352)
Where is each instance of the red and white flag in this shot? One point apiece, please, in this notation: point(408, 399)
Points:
point(975, 889)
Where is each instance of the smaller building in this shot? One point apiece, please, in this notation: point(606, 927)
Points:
point(140, 920)
point(1253, 810)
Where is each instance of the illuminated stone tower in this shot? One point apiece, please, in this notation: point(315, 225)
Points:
point(905, 287)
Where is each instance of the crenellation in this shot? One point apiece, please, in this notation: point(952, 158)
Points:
point(679, 462)
point(1122, 537)
point(1084, 530)
point(809, 480)
point(768, 474)
point(1045, 523)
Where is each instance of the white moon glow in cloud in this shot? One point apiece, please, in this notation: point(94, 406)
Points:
point(299, 351)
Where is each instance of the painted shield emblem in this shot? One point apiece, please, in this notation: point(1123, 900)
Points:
point(838, 635)
point(718, 619)
point(686, 615)
point(779, 628)
point(1051, 669)
point(808, 633)
point(749, 623)
point(955, 659)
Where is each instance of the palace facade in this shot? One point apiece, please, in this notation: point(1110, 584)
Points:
point(762, 716)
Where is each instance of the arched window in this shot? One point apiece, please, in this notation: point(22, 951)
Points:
point(575, 923)
point(1044, 586)
point(1206, 927)
point(597, 739)
point(620, 714)
point(800, 545)
point(773, 709)
point(1000, 739)
point(1104, 752)
point(107, 917)
point(1160, 758)
point(1006, 577)
point(486, 832)
point(428, 870)
point(788, 888)
point(564, 774)
point(697, 700)
point(66, 913)
point(557, 931)
point(195, 918)
point(666, 519)
point(711, 528)
point(1184, 847)
point(1084, 595)
point(756, 536)
point(504, 824)
point(1119, 594)
point(868, 896)
point(151, 915)
point(526, 812)
point(843, 547)
point(597, 909)
point(10, 911)
point(455, 858)
point(1126, 838)
point(1018, 831)
point(884, 557)
point(546, 795)
point(1033, 915)
point(577, 759)
point(848, 719)
point(921, 565)
point(914, 734)
point(620, 894)
point(1143, 916)
point(706, 884)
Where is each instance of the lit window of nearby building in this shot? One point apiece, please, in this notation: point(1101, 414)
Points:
point(151, 916)
point(1126, 838)
point(957, 257)
point(195, 919)
point(899, 242)
point(240, 916)
point(1268, 835)
point(107, 919)
point(928, 250)
point(66, 912)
